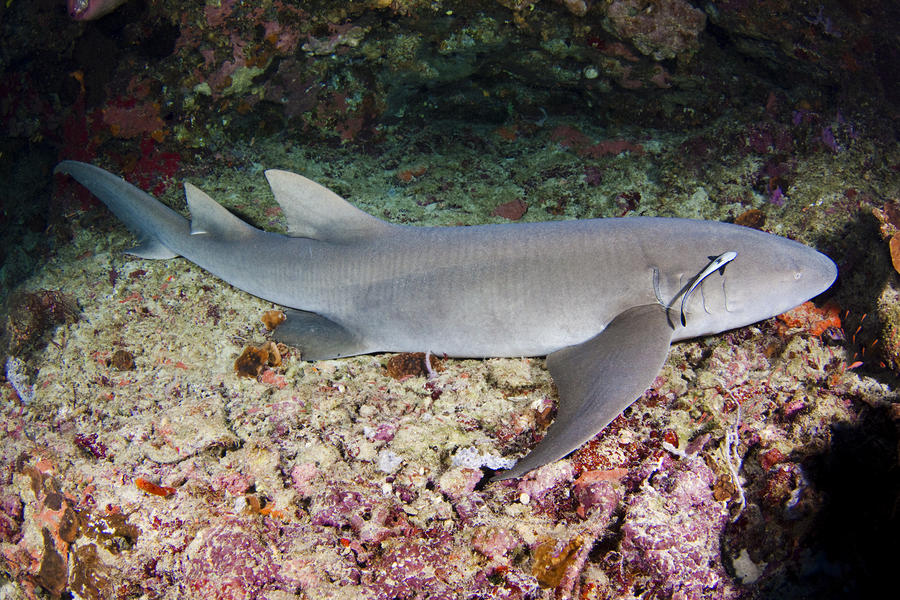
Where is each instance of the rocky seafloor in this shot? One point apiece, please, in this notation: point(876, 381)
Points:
point(136, 462)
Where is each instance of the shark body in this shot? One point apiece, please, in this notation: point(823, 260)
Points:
point(603, 299)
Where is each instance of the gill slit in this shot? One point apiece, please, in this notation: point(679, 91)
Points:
point(716, 263)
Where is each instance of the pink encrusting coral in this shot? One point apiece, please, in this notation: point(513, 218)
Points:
point(128, 118)
point(671, 531)
point(584, 146)
point(234, 560)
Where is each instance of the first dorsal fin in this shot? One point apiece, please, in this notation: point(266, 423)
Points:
point(210, 217)
point(314, 211)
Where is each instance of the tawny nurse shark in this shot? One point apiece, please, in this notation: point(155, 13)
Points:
point(603, 299)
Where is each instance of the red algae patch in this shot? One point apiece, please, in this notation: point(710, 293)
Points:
point(407, 175)
point(512, 210)
point(152, 488)
point(811, 318)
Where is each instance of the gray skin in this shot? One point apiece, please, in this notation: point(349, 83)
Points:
point(603, 299)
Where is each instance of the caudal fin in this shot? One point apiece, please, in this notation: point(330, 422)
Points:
point(156, 226)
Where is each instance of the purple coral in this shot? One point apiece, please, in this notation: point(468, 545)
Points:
point(232, 560)
point(495, 542)
point(776, 197)
point(672, 528)
point(372, 517)
point(303, 477)
point(541, 482)
point(459, 486)
point(427, 567)
point(10, 518)
point(403, 562)
point(90, 444)
point(591, 494)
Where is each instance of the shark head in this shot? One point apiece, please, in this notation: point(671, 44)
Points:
point(765, 276)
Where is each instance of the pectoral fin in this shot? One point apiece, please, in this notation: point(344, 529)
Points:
point(318, 337)
point(598, 379)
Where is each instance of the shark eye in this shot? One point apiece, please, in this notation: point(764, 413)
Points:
point(798, 275)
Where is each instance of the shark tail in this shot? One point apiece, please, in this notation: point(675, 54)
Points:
point(157, 227)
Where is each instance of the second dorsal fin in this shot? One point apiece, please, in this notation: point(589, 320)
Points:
point(210, 217)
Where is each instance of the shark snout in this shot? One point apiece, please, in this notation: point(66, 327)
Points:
point(819, 273)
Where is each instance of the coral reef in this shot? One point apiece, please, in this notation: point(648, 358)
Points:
point(324, 478)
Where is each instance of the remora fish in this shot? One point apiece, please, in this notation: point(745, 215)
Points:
point(603, 299)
